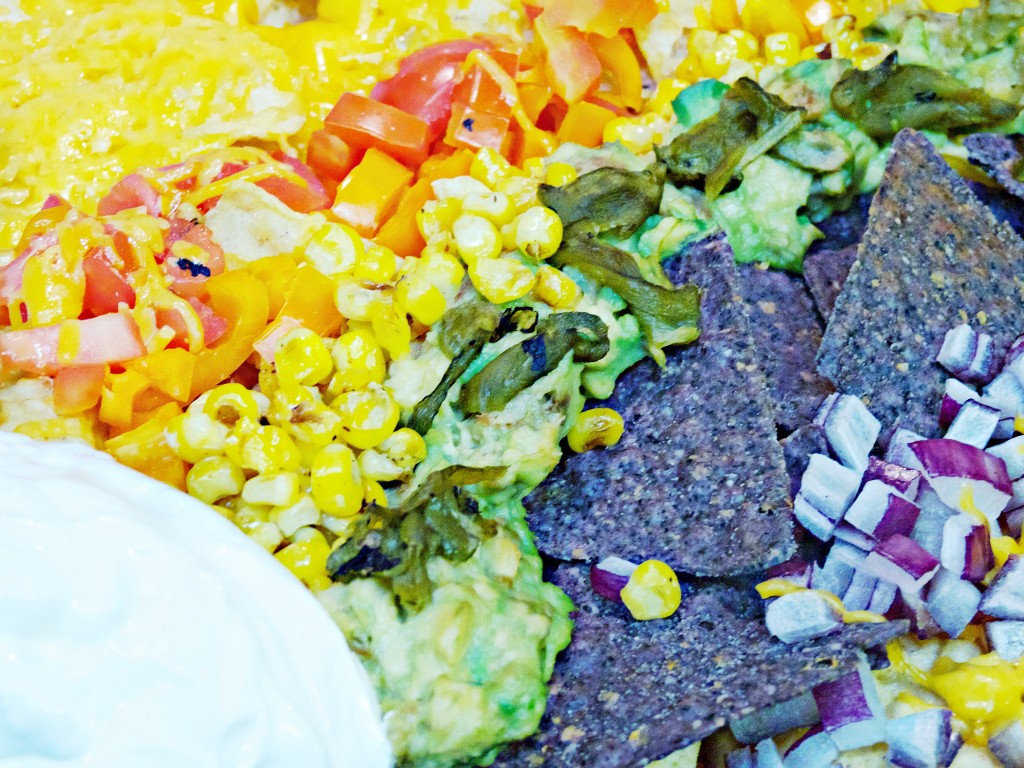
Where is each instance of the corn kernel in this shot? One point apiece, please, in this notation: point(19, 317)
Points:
point(501, 280)
point(391, 330)
point(267, 449)
point(747, 46)
point(356, 299)
point(296, 515)
point(236, 437)
point(458, 188)
point(476, 238)
point(406, 447)
point(267, 535)
point(378, 265)
point(374, 465)
point(307, 559)
point(596, 428)
point(534, 167)
point(214, 478)
point(278, 489)
point(560, 174)
point(652, 591)
point(334, 248)
point(342, 527)
point(666, 92)
point(538, 232)
point(301, 358)
point(419, 298)
point(441, 269)
point(359, 361)
point(635, 134)
point(556, 289)
point(782, 49)
point(521, 190)
point(301, 413)
point(435, 219)
point(489, 167)
point(373, 493)
point(194, 436)
point(335, 482)
point(496, 207)
point(368, 417)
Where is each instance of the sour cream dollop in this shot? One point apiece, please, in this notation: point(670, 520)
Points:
point(140, 628)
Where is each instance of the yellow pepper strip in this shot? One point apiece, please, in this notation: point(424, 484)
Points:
point(310, 300)
point(276, 273)
point(780, 587)
point(400, 232)
point(145, 449)
point(370, 193)
point(619, 61)
point(239, 298)
point(169, 371)
point(584, 124)
point(117, 400)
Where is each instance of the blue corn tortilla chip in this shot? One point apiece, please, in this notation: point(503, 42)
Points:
point(698, 478)
point(627, 692)
point(1004, 206)
point(933, 257)
point(843, 228)
point(825, 272)
point(1001, 157)
point(787, 331)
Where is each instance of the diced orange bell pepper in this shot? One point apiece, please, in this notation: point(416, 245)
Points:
point(118, 397)
point(474, 129)
point(527, 144)
point(456, 164)
point(572, 67)
point(170, 371)
point(363, 123)
point(371, 192)
point(330, 158)
point(603, 17)
point(584, 124)
point(479, 90)
point(310, 300)
point(619, 61)
point(77, 389)
point(400, 232)
point(146, 449)
point(276, 273)
point(534, 97)
point(241, 299)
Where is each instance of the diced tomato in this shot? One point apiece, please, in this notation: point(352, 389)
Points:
point(478, 89)
point(364, 123)
point(105, 339)
point(331, 159)
point(425, 82)
point(603, 17)
point(572, 67)
point(300, 199)
point(133, 191)
point(105, 286)
point(474, 128)
point(10, 278)
point(53, 201)
point(77, 389)
point(214, 326)
point(188, 275)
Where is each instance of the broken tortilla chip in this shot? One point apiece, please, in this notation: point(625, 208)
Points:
point(1001, 157)
point(933, 257)
point(825, 272)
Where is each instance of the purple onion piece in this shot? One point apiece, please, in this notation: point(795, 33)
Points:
point(609, 576)
point(1016, 350)
point(883, 597)
point(1012, 454)
point(974, 424)
point(1006, 393)
point(795, 569)
point(912, 608)
point(931, 521)
point(858, 595)
point(828, 486)
point(955, 394)
point(1006, 638)
point(1017, 499)
point(901, 561)
point(850, 429)
point(847, 533)
point(831, 576)
point(817, 524)
point(1004, 598)
point(767, 755)
point(898, 452)
point(983, 366)
point(778, 718)
point(880, 512)
point(959, 347)
point(963, 475)
point(801, 616)
point(1015, 522)
point(851, 712)
point(1008, 745)
point(966, 548)
point(905, 481)
point(815, 749)
point(952, 602)
point(920, 740)
point(847, 553)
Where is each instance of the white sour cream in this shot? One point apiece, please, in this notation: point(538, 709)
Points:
point(139, 628)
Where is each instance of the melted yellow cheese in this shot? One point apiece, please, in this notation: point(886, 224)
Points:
point(91, 90)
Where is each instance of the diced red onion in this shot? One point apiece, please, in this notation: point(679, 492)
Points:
point(828, 486)
point(778, 718)
point(880, 512)
point(974, 424)
point(920, 740)
point(1004, 598)
point(1006, 638)
point(1005, 392)
point(1012, 454)
point(850, 429)
point(847, 533)
point(883, 597)
point(912, 608)
point(966, 548)
point(851, 713)
point(898, 451)
point(955, 394)
point(795, 570)
point(931, 521)
point(1008, 745)
point(906, 481)
point(801, 616)
point(1016, 350)
point(901, 561)
point(609, 576)
point(858, 595)
point(833, 575)
point(766, 755)
point(962, 474)
point(959, 347)
point(815, 749)
point(1014, 519)
point(952, 602)
point(849, 554)
point(1017, 499)
point(817, 524)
